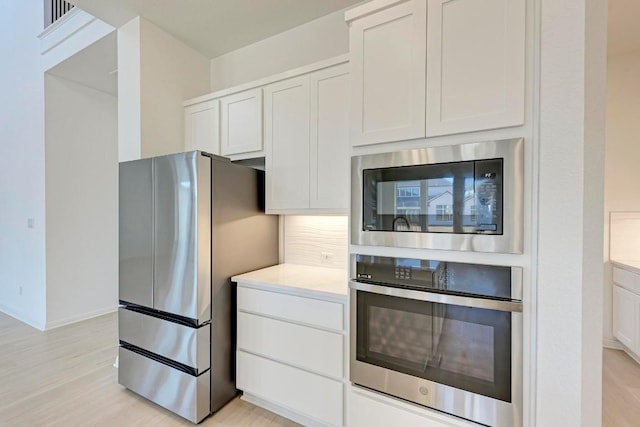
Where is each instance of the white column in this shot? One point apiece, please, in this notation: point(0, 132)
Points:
point(572, 67)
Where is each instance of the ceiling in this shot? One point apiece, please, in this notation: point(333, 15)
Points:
point(215, 27)
point(95, 66)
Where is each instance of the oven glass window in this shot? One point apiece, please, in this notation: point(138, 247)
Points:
point(466, 348)
point(461, 197)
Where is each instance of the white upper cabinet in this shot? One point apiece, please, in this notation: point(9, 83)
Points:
point(307, 143)
point(423, 68)
point(329, 149)
point(286, 113)
point(388, 55)
point(202, 127)
point(475, 65)
point(241, 124)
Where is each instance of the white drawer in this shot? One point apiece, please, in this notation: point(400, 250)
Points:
point(308, 311)
point(627, 279)
point(308, 394)
point(301, 346)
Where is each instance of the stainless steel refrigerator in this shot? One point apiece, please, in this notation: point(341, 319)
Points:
point(188, 222)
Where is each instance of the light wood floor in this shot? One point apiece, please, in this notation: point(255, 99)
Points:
point(65, 377)
point(620, 390)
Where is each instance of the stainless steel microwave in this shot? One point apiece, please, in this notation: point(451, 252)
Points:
point(466, 197)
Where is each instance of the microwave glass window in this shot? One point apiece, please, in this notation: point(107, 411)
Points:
point(461, 197)
point(466, 348)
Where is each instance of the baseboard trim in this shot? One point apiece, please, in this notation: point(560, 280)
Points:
point(21, 317)
point(84, 316)
point(283, 412)
point(612, 343)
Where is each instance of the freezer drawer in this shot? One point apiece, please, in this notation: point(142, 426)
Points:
point(181, 393)
point(184, 344)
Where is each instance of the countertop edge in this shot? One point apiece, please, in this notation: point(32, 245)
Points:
point(293, 290)
point(632, 266)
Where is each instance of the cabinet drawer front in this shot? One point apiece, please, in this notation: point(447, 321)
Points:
point(323, 314)
point(300, 391)
point(189, 346)
point(186, 395)
point(627, 279)
point(308, 348)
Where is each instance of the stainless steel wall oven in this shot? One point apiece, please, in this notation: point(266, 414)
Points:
point(461, 197)
point(441, 334)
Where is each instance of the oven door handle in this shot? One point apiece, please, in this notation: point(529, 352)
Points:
point(475, 302)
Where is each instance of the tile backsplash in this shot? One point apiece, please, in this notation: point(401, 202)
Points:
point(624, 236)
point(316, 240)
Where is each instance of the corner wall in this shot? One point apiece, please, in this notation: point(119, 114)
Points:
point(314, 41)
point(81, 159)
point(622, 174)
point(156, 73)
point(22, 249)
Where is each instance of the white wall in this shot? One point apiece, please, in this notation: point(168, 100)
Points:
point(622, 174)
point(22, 249)
point(81, 179)
point(129, 133)
point(572, 67)
point(156, 73)
point(314, 41)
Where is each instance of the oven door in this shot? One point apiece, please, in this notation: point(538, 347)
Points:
point(457, 354)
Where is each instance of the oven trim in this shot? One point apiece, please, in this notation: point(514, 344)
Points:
point(462, 403)
point(511, 241)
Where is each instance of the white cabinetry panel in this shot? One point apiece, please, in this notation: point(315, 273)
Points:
point(388, 51)
point(625, 317)
point(241, 123)
point(301, 346)
point(307, 311)
point(286, 108)
point(475, 65)
point(202, 127)
point(365, 411)
point(329, 139)
point(312, 395)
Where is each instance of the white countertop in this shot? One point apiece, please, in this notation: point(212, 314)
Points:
point(629, 265)
point(298, 279)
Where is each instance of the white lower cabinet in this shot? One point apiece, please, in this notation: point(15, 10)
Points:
point(626, 309)
point(290, 355)
point(368, 409)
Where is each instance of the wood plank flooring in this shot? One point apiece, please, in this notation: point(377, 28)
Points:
point(620, 390)
point(65, 377)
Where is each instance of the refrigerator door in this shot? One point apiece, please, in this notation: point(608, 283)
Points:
point(136, 233)
point(182, 230)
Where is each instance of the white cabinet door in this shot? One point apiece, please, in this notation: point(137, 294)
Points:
point(475, 65)
point(625, 317)
point(202, 127)
point(388, 55)
point(286, 115)
point(329, 168)
point(241, 123)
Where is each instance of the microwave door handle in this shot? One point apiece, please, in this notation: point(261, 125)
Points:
point(475, 302)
